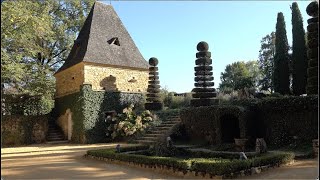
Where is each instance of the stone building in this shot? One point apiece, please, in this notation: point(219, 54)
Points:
point(103, 55)
point(105, 60)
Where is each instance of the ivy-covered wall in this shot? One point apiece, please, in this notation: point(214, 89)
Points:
point(22, 130)
point(88, 109)
point(281, 121)
point(204, 123)
point(289, 119)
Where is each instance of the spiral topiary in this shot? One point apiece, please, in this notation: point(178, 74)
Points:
point(313, 47)
point(153, 97)
point(203, 95)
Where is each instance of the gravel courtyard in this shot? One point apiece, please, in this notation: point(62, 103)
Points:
point(65, 161)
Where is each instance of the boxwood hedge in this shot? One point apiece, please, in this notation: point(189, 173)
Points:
point(215, 166)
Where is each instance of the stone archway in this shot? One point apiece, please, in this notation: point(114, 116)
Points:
point(229, 128)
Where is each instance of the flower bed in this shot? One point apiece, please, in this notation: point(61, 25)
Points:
point(207, 167)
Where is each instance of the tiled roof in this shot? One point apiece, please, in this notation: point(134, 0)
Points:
point(103, 39)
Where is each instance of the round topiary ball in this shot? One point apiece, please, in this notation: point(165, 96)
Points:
point(313, 9)
point(202, 46)
point(153, 61)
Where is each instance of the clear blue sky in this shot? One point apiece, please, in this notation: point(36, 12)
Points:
point(170, 31)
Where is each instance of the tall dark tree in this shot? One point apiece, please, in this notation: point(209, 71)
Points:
point(266, 60)
point(299, 52)
point(281, 73)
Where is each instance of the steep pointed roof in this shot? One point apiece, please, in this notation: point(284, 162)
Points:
point(103, 39)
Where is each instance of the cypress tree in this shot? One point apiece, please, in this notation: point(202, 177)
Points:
point(313, 47)
point(281, 60)
point(299, 52)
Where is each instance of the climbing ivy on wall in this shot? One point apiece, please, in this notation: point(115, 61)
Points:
point(89, 109)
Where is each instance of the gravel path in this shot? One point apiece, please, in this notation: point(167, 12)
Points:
point(65, 161)
point(300, 169)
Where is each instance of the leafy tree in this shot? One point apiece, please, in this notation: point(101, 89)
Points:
point(281, 73)
point(239, 75)
point(36, 37)
point(266, 59)
point(299, 52)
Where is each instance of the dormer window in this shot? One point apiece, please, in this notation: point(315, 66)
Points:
point(114, 41)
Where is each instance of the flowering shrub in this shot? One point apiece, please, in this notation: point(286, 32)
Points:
point(128, 122)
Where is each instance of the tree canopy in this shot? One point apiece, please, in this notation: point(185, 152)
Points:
point(239, 75)
point(36, 37)
point(266, 60)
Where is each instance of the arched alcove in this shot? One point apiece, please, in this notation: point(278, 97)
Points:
point(229, 128)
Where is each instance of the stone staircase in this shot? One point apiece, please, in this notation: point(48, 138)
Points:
point(159, 131)
point(55, 134)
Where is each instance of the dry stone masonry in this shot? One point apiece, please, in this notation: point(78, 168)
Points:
point(203, 95)
point(313, 47)
point(153, 96)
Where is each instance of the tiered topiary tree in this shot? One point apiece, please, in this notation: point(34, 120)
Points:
point(299, 53)
point(313, 47)
point(153, 97)
point(203, 93)
point(281, 60)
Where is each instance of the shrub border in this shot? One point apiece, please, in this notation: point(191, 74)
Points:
point(192, 168)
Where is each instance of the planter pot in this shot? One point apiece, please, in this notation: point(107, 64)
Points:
point(240, 144)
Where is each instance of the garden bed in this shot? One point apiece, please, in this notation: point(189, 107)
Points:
point(209, 167)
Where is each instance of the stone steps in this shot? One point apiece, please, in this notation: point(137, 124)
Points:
point(157, 132)
point(55, 134)
point(58, 142)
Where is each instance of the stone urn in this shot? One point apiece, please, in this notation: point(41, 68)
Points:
point(240, 143)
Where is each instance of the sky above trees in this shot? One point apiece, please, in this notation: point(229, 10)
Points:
point(170, 31)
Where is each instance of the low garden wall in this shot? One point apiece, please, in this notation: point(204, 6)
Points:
point(22, 130)
point(89, 109)
point(281, 121)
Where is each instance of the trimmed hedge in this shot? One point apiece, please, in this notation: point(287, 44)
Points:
point(224, 167)
point(203, 123)
point(203, 54)
point(213, 166)
point(141, 159)
point(286, 117)
point(277, 119)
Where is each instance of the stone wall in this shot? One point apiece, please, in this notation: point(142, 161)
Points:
point(68, 81)
point(21, 130)
point(103, 77)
